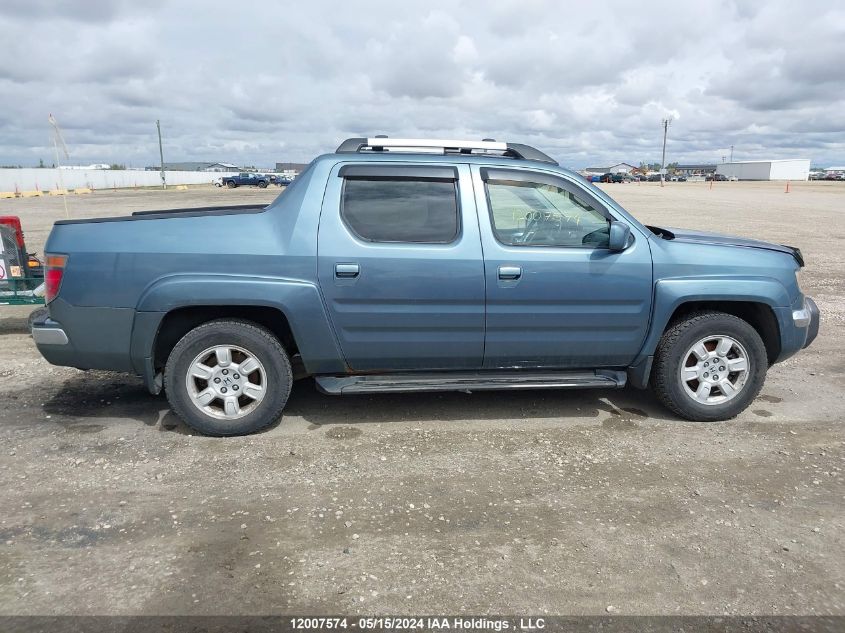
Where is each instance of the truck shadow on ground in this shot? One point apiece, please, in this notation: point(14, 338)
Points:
point(319, 409)
point(92, 396)
point(14, 325)
point(95, 395)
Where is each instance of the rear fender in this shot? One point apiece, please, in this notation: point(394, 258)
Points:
point(299, 301)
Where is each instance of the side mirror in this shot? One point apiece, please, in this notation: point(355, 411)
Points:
point(620, 233)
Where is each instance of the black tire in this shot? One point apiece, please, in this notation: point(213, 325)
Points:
point(259, 342)
point(679, 338)
point(231, 184)
point(262, 184)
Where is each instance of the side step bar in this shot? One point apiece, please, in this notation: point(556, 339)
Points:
point(471, 381)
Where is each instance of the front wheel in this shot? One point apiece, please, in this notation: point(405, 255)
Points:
point(228, 377)
point(262, 184)
point(709, 366)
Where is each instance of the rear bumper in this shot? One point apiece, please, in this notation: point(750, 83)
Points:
point(85, 338)
point(52, 341)
point(48, 333)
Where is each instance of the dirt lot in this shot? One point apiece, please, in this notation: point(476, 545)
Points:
point(536, 502)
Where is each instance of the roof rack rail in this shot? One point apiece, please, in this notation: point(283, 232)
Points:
point(485, 147)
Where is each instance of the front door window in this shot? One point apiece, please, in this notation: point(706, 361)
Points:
point(537, 214)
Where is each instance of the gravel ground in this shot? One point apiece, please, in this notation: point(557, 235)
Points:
point(577, 502)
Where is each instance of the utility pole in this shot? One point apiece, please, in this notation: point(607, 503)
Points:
point(665, 122)
point(57, 139)
point(732, 153)
point(161, 155)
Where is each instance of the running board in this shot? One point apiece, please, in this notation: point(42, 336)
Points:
point(471, 381)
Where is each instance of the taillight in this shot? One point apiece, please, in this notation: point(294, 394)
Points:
point(14, 222)
point(55, 270)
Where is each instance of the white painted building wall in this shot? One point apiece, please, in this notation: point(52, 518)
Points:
point(787, 169)
point(798, 169)
point(29, 179)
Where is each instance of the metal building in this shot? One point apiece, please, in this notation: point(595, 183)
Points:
point(785, 169)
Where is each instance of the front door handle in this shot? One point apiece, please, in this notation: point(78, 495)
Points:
point(346, 271)
point(510, 272)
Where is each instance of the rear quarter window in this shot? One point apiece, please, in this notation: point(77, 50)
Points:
point(401, 210)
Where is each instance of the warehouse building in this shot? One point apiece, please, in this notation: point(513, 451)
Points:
point(197, 166)
point(619, 168)
point(786, 169)
point(695, 170)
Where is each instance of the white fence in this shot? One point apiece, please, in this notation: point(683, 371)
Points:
point(30, 179)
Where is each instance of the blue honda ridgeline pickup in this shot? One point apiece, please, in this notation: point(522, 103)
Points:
point(420, 265)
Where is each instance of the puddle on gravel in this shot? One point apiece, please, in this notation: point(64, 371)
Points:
point(602, 406)
point(343, 432)
point(768, 398)
point(84, 428)
point(619, 424)
point(762, 413)
point(636, 412)
point(75, 536)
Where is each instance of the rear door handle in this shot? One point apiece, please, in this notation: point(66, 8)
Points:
point(346, 271)
point(510, 272)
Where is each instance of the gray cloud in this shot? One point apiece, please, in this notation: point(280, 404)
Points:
point(588, 85)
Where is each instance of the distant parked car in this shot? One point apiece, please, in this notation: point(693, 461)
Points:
point(245, 179)
point(608, 177)
point(716, 177)
point(654, 178)
point(278, 179)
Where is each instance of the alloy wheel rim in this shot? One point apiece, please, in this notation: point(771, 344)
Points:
point(714, 370)
point(226, 382)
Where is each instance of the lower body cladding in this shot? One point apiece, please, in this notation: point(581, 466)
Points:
point(99, 338)
point(470, 381)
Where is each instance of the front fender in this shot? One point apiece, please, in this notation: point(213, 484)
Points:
point(298, 300)
point(669, 294)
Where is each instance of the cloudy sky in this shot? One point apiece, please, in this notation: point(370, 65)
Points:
point(260, 82)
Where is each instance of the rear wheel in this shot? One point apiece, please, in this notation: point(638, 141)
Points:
point(709, 366)
point(230, 184)
point(228, 377)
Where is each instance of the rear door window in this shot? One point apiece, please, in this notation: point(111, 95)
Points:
point(403, 209)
